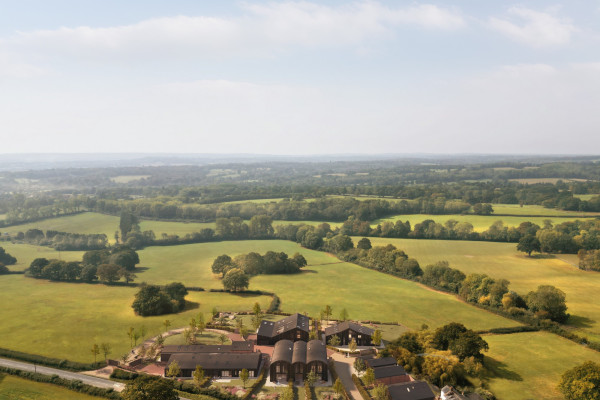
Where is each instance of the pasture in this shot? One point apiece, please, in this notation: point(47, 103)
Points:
point(14, 388)
point(325, 280)
point(480, 222)
point(502, 260)
point(516, 209)
point(64, 320)
point(580, 196)
point(26, 253)
point(128, 178)
point(90, 222)
point(529, 365)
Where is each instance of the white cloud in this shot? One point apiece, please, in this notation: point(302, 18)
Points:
point(534, 28)
point(261, 29)
point(12, 67)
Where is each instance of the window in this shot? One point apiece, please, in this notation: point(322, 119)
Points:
point(298, 335)
point(251, 373)
point(319, 368)
point(225, 374)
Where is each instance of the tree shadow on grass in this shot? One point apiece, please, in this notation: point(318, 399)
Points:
point(140, 269)
point(542, 256)
point(245, 294)
point(190, 305)
point(3, 375)
point(578, 321)
point(498, 369)
point(309, 271)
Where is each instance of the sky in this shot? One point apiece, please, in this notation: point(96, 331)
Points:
point(300, 77)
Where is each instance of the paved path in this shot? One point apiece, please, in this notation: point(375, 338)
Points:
point(89, 380)
point(343, 367)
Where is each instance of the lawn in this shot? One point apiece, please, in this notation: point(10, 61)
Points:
point(64, 320)
point(206, 337)
point(501, 260)
point(14, 388)
point(529, 365)
point(480, 222)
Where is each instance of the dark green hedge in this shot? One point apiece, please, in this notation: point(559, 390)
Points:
point(361, 388)
point(50, 362)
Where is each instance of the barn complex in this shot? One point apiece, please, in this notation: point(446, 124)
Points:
point(294, 328)
point(347, 331)
point(292, 361)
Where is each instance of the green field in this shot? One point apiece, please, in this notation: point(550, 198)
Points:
point(90, 222)
point(397, 299)
point(128, 178)
point(26, 253)
point(580, 196)
point(501, 260)
point(515, 209)
point(529, 365)
point(191, 263)
point(64, 320)
point(14, 388)
point(480, 222)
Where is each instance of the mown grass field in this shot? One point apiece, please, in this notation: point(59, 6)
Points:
point(480, 222)
point(529, 365)
point(206, 337)
point(515, 209)
point(64, 320)
point(14, 388)
point(501, 260)
point(26, 253)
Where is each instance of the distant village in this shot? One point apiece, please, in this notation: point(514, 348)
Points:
point(284, 351)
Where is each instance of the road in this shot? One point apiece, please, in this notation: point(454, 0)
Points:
point(89, 380)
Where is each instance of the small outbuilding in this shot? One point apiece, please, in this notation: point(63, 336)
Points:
point(347, 331)
point(391, 374)
point(371, 362)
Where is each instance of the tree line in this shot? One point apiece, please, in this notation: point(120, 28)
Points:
point(62, 241)
point(107, 266)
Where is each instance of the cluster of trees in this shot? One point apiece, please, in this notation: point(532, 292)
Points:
point(62, 241)
point(581, 382)
point(386, 259)
point(442, 357)
point(6, 258)
point(589, 260)
point(255, 264)
point(104, 265)
point(157, 300)
point(567, 237)
point(236, 272)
